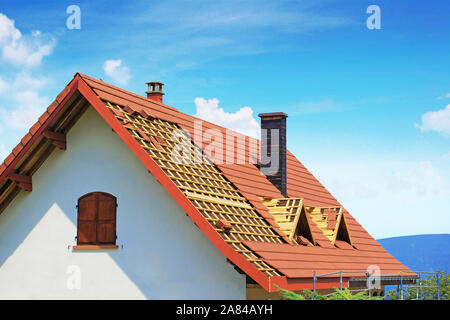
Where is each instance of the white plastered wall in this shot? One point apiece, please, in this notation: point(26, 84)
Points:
point(162, 254)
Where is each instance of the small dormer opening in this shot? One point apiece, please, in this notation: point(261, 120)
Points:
point(304, 229)
point(342, 231)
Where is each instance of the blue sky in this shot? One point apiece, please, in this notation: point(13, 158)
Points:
point(367, 108)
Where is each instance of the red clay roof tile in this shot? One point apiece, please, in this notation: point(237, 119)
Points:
point(26, 138)
point(35, 128)
point(43, 117)
point(52, 106)
point(343, 245)
point(9, 159)
point(17, 149)
point(301, 261)
point(62, 95)
point(224, 225)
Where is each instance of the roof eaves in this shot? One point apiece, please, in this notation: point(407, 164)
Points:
point(37, 129)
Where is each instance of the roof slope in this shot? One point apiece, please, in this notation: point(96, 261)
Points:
point(221, 191)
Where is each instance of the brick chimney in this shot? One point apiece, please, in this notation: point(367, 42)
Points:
point(273, 149)
point(154, 91)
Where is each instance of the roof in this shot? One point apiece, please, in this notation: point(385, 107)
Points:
point(228, 198)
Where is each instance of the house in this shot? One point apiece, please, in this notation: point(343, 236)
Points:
point(113, 195)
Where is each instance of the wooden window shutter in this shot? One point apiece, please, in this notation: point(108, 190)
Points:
point(87, 211)
point(97, 219)
point(106, 219)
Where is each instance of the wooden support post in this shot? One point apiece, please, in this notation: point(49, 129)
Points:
point(57, 139)
point(23, 182)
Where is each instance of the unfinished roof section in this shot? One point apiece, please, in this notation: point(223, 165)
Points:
point(286, 212)
point(219, 202)
point(331, 220)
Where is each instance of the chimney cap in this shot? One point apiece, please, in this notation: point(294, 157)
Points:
point(156, 82)
point(155, 87)
point(273, 114)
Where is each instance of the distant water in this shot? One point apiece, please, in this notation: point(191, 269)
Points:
point(429, 252)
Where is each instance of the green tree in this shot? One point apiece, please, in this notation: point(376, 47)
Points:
point(425, 288)
point(344, 294)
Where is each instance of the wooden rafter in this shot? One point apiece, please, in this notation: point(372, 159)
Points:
point(22, 181)
point(57, 139)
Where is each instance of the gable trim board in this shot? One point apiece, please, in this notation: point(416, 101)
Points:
point(84, 86)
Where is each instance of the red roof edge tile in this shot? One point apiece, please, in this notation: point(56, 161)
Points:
point(131, 110)
point(35, 128)
point(26, 138)
point(43, 117)
point(17, 149)
point(146, 114)
point(52, 107)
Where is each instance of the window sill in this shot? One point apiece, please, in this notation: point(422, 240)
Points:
point(90, 247)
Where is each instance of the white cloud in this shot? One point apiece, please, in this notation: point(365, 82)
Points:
point(29, 108)
point(241, 121)
point(22, 50)
point(438, 121)
point(22, 101)
point(116, 71)
point(445, 96)
point(382, 178)
point(391, 197)
point(26, 81)
point(27, 103)
point(8, 31)
point(3, 152)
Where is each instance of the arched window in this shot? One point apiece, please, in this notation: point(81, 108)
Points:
point(96, 220)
